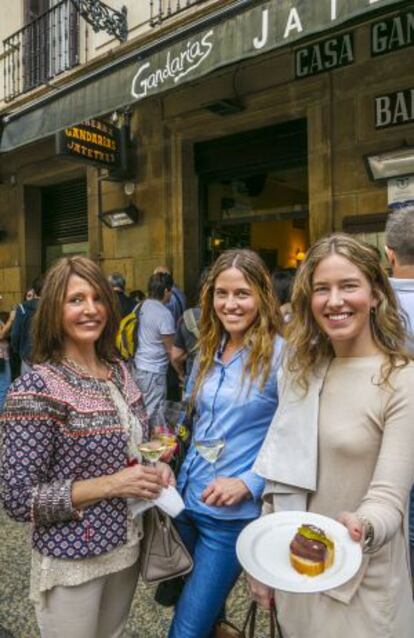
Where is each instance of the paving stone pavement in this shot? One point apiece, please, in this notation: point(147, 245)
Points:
point(147, 619)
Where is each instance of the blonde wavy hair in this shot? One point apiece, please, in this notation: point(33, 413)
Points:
point(260, 335)
point(309, 346)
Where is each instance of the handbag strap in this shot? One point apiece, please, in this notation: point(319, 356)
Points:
point(274, 622)
point(250, 622)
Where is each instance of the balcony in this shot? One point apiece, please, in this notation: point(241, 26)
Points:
point(41, 50)
point(161, 10)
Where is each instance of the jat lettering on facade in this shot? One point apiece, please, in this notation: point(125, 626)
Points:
point(277, 24)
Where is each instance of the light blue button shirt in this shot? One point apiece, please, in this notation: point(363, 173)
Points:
point(241, 414)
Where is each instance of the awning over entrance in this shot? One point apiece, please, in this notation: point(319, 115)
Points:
point(225, 37)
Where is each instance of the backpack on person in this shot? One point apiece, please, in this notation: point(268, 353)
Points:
point(191, 323)
point(126, 339)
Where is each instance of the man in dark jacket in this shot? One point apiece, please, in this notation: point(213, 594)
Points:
point(20, 338)
point(399, 248)
point(178, 302)
point(125, 303)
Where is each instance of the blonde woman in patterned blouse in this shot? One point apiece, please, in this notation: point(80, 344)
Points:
point(70, 459)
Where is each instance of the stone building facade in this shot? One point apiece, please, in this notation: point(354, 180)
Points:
point(264, 148)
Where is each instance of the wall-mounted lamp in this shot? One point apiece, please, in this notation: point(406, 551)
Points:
point(396, 163)
point(120, 217)
point(300, 255)
point(129, 188)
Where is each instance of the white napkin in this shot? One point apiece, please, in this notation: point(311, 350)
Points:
point(169, 501)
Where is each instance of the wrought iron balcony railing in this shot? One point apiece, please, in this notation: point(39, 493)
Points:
point(161, 10)
point(41, 50)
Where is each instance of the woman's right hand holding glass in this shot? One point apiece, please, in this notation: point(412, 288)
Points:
point(260, 593)
point(136, 481)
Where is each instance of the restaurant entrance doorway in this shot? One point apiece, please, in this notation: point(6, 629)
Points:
point(254, 194)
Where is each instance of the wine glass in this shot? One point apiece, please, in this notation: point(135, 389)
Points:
point(168, 438)
point(161, 428)
point(210, 449)
point(153, 449)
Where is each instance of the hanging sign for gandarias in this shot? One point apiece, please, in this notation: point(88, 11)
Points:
point(93, 141)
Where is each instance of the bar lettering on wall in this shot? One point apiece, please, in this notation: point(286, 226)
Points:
point(394, 109)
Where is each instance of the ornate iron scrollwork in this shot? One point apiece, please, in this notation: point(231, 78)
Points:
point(104, 18)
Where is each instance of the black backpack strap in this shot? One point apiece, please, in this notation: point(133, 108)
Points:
point(137, 311)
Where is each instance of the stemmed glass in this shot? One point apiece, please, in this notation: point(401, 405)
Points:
point(161, 440)
point(210, 449)
point(153, 449)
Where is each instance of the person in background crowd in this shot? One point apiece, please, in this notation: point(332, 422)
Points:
point(137, 295)
point(72, 427)
point(399, 247)
point(6, 322)
point(155, 338)
point(177, 303)
point(233, 389)
point(126, 304)
point(30, 294)
point(184, 348)
point(21, 340)
point(282, 281)
point(346, 394)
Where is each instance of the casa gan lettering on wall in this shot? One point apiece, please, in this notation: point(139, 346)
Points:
point(394, 108)
point(392, 34)
point(326, 55)
point(93, 141)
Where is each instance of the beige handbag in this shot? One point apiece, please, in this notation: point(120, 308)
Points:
point(163, 554)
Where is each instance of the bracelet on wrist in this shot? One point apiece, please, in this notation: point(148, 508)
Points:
point(368, 533)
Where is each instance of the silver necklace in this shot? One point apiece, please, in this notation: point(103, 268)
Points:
point(83, 370)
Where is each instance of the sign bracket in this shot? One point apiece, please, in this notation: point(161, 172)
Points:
point(104, 18)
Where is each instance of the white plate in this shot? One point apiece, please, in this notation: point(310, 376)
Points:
point(263, 550)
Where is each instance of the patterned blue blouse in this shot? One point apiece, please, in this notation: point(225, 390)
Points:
point(60, 425)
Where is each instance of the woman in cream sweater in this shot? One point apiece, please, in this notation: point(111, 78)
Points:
point(348, 397)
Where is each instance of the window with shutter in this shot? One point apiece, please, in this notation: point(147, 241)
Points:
point(64, 220)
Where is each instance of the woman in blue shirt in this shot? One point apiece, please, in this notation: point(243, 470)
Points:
point(234, 393)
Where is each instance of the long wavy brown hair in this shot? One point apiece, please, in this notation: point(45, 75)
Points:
point(47, 333)
point(309, 346)
point(259, 337)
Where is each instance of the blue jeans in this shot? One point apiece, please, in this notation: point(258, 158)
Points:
point(212, 543)
point(5, 381)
